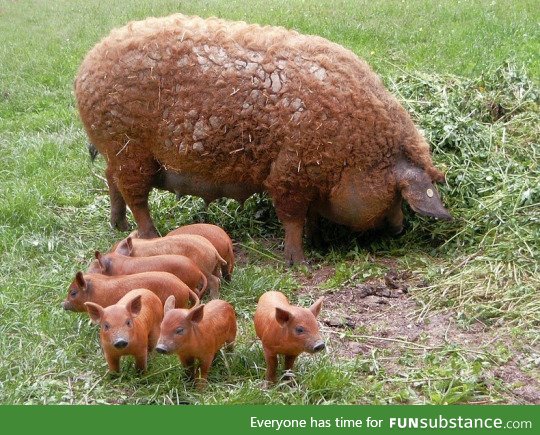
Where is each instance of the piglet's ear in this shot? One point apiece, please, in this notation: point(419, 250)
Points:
point(169, 304)
point(316, 307)
point(134, 306)
point(196, 314)
point(81, 282)
point(282, 316)
point(100, 261)
point(125, 247)
point(95, 311)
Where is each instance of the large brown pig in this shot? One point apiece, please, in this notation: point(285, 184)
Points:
point(218, 237)
point(285, 329)
point(197, 248)
point(197, 333)
point(129, 327)
point(220, 108)
point(108, 290)
point(184, 268)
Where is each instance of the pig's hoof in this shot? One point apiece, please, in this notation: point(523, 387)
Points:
point(268, 384)
point(201, 384)
point(289, 379)
point(121, 224)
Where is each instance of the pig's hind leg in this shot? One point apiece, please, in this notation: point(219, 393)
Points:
point(135, 176)
point(118, 205)
point(289, 363)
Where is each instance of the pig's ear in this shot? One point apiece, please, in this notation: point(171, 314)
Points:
point(95, 311)
point(81, 282)
point(196, 314)
point(282, 316)
point(316, 307)
point(169, 304)
point(134, 306)
point(125, 247)
point(418, 190)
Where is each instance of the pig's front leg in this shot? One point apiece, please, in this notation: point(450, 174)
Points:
point(294, 252)
point(271, 366)
point(114, 362)
point(141, 360)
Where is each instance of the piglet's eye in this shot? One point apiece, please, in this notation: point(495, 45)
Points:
point(106, 326)
point(299, 330)
point(73, 293)
point(179, 331)
point(128, 322)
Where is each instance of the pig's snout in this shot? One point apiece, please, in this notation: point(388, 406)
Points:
point(120, 343)
point(66, 305)
point(161, 348)
point(319, 345)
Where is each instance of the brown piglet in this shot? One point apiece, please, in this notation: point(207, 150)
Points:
point(108, 290)
point(197, 334)
point(286, 329)
point(218, 237)
point(197, 248)
point(179, 265)
point(129, 327)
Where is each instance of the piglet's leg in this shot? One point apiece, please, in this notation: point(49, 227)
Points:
point(214, 283)
point(271, 366)
point(189, 364)
point(141, 360)
point(205, 364)
point(114, 362)
point(289, 363)
point(153, 337)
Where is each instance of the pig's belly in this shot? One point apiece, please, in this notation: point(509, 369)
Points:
point(358, 217)
point(186, 184)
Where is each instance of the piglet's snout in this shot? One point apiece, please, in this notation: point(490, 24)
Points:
point(120, 343)
point(162, 348)
point(318, 346)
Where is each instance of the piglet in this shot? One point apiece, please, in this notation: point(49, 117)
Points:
point(129, 327)
point(218, 237)
point(287, 330)
point(197, 333)
point(197, 248)
point(108, 290)
point(113, 264)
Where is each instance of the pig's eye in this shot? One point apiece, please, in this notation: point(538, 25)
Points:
point(73, 293)
point(299, 330)
point(106, 326)
point(129, 322)
point(179, 331)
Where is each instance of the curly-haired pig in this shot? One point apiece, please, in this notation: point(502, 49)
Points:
point(108, 290)
point(179, 265)
point(285, 329)
point(195, 247)
point(215, 235)
point(129, 327)
point(197, 334)
point(214, 108)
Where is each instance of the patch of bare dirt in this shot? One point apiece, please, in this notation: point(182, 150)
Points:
point(380, 314)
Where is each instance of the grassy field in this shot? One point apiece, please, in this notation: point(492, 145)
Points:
point(445, 313)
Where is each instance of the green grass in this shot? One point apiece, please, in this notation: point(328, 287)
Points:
point(467, 71)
